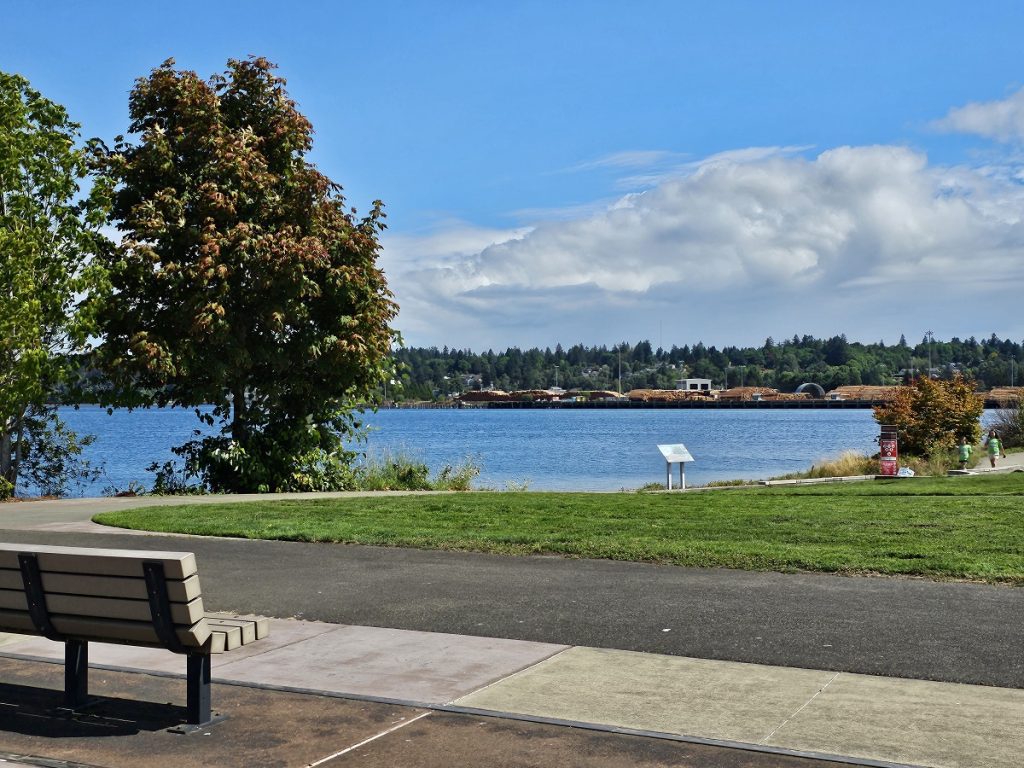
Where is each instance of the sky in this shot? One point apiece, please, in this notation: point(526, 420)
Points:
point(596, 172)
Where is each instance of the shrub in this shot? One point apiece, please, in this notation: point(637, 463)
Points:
point(170, 480)
point(931, 415)
point(457, 478)
point(401, 472)
point(51, 455)
point(936, 465)
point(1009, 423)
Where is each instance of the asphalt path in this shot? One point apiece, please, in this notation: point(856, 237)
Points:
point(954, 632)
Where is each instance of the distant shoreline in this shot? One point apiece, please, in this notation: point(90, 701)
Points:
point(684, 404)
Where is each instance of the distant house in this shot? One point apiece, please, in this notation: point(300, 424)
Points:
point(694, 385)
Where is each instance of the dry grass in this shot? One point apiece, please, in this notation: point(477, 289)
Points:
point(846, 464)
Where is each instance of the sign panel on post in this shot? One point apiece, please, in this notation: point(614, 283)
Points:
point(675, 454)
point(888, 453)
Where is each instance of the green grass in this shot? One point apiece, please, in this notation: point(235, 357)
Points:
point(956, 528)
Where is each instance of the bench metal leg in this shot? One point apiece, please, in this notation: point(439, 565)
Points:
point(199, 716)
point(76, 673)
point(198, 708)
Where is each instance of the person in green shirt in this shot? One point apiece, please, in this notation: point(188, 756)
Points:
point(965, 452)
point(995, 446)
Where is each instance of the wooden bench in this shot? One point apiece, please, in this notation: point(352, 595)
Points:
point(76, 595)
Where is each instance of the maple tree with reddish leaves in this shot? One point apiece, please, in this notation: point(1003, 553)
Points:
point(241, 281)
point(931, 415)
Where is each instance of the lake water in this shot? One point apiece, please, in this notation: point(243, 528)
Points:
point(547, 449)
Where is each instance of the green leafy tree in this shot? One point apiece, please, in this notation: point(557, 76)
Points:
point(931, 415)
point(51, 455)
point(46, 236)
point(241, 280)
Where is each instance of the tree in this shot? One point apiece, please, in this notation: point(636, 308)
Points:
point(931, 415)
point(241, 280)
point(837, 350)
point(46, 237)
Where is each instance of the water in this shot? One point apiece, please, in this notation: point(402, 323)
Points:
point(545, 449)
point(608, 450)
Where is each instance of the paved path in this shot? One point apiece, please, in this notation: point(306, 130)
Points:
point(955, 632)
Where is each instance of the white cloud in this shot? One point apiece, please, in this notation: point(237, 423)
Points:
point(870, 241)
point(631, 158)
point(1002, 120)
point(446, 241)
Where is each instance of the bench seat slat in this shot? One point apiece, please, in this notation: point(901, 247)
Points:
point(99, 562)
point(133, 587)
point(232, 635)
point(106, 630)
point(246, 630)
point(217, 642)
point(254, 628)
point(104, 607)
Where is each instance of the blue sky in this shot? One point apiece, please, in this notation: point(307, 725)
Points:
point(595, 171)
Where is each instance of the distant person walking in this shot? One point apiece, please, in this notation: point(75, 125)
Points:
point(965, 452)
point(995, 446)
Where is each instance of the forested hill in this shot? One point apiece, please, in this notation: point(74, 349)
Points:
point(428, 373)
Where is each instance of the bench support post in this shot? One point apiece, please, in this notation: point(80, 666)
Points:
point(76, 673)
point(198, 701)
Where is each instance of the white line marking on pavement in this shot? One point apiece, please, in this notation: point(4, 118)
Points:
point(801, 709)
point(323, 760)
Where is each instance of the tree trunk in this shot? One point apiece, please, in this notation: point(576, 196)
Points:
point(10, 450)
point(239, 421)
point(6, 460)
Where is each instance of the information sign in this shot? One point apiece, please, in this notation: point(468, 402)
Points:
point(675, 454)
point(888, 453)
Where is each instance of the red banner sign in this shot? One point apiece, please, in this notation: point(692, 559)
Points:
point(888, 457)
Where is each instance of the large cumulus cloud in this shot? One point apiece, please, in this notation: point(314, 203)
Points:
point(740, 245)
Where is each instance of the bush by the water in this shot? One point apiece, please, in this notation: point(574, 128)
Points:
point(931, 415)
point(1009, 423)
point(400, 472)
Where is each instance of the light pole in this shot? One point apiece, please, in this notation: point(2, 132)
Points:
point(930, 337)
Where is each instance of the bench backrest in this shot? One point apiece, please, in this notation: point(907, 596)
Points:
point(137, 597)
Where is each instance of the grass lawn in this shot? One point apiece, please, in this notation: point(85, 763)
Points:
point(946, 528)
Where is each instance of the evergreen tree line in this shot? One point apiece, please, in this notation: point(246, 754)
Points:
point(428, 373)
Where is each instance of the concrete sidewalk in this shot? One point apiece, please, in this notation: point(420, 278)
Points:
point(772, 711)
